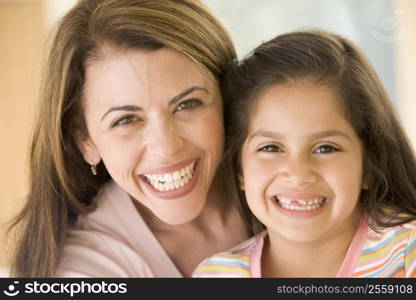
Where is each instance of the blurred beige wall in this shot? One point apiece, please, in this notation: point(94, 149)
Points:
point(406, 65)
point(22, 33)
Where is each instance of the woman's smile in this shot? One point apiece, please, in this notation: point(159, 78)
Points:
point(174, 181)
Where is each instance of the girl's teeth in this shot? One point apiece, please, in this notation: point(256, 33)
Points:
point(171, 181)
point(301, 205)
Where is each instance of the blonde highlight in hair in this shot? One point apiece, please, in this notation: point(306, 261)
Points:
point(61, 185)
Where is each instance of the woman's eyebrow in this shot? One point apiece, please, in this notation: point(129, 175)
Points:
point(173, 101)
point(123, 107)
point(185, 93)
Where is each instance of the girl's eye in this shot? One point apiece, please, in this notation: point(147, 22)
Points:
point(270, 148)
point(326, 149)
point(125, 120)
point(188, 104)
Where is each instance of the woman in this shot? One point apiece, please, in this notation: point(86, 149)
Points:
point(126, 154)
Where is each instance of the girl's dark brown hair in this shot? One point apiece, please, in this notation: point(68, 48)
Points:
point(329, 59)
point(61, 184)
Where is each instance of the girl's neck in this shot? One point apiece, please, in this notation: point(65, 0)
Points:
point(321, 258)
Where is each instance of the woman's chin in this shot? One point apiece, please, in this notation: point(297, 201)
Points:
point(179, 215)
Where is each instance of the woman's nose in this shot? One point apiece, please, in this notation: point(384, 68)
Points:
point(297, 171)
point(163, 138)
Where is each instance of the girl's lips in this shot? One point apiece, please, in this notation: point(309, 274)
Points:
point(300, 202)
point(175, 193)
point(300, 206)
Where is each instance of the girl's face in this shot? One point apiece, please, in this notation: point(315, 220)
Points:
point(156, 122)
point(302, 164)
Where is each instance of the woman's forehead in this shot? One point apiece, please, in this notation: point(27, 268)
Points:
point(160, 67)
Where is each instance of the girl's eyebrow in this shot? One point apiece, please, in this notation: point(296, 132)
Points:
point(173, 101)
point(331, 133)
point(264, 133)
point(318, 135)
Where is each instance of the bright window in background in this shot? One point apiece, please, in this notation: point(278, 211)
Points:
point(371, 24)
point(384, 29)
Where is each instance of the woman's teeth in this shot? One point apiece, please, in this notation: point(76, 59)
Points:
point(300, 204)
point(171, 181)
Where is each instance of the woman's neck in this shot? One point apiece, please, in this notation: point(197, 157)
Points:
point(218, 227)
point(220, 204)
point(323, 258)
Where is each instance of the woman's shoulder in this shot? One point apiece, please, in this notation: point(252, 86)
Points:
point(113, 241)
point(99, 244)
point(112, 205)
point(92, 253)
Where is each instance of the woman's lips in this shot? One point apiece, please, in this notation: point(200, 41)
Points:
point(173, 184)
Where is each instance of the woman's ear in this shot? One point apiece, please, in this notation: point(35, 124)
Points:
point(240, 178)
point(88, 149)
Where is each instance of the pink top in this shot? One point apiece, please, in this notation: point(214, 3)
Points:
point(389, 252)
point(354, 251)
point(113, 241)
point(367, 256)
point(347, 267)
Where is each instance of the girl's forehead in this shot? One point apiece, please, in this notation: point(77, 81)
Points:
point(298, 94)
point(305, 107)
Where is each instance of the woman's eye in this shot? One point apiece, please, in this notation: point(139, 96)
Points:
point(125, 120)
point(326, 149)
point(270, 148)
point(188, 104)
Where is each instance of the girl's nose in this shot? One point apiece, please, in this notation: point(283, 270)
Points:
point(297, 172)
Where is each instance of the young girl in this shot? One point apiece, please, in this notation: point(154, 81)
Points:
point(323, 162)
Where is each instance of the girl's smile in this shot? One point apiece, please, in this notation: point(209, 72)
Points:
point(299, 205)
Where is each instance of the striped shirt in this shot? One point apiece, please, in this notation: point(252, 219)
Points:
point(388, 253)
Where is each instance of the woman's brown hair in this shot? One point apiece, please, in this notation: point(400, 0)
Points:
point(61, 184)
point(329, 59)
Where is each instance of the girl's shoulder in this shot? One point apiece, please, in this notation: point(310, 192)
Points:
point(234, 262)
point(388, 252)
point(401, 232)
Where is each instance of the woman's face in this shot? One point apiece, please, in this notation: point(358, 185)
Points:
point(155, 119)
